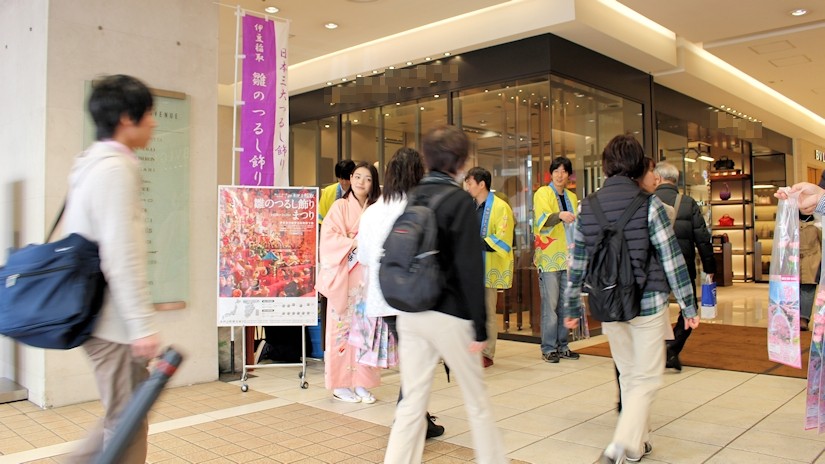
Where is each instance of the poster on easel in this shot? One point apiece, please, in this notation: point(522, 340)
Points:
point(267, 256)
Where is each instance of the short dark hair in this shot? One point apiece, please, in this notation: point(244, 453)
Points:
point(344, 169)
point(375, 190)
point(561, 161)
point(445, 149)
point(623, 156)
point(404, 171)
point(480, 174)
point(115, 96)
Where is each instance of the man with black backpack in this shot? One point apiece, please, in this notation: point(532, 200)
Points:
point(453, 327)
point(621, 225)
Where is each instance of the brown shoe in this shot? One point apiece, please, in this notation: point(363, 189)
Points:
point(487, 362)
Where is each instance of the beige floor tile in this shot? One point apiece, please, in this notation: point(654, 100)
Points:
point(734, 456)
point(701, 432)
point(725, 416)
point(560, 450)
point(781, 446)
point(588, 434)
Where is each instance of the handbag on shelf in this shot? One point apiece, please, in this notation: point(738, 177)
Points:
point(724, 194)
point(51, 294)
point(723, 163)
point(726, 221)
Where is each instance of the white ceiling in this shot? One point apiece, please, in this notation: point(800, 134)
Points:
point(759, 37)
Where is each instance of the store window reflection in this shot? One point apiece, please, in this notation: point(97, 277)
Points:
point(517, 128)
point(314, 152)
point(361, 133)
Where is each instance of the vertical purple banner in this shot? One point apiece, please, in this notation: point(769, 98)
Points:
point(257, 165)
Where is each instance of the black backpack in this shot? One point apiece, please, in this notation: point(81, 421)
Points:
point(410, 276)
point(612, 292)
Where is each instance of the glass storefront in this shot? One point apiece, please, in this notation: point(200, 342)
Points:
point(516, 129)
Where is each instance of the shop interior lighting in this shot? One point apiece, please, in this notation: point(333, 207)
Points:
point(799, 12)
point(764, 186)
point(446, 53)
point(706, 158)
point(689, 160)
point(331, 25)
point(271, 9)
point(409, 63)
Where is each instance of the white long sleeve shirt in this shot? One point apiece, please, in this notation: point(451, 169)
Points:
point(376, 224)
point(104, 206)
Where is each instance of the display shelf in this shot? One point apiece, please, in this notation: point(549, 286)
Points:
point(731, 194)
point(733, 227)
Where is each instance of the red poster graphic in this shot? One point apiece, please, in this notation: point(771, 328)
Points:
point(267, 255)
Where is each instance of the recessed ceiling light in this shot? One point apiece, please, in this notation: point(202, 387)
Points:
point(428, 58)
point(329, 83)
point(392, 67)
point(271, 9)
point(375, 71)
point(343, 79)
point(357, 75)
point(330, 25)
point(446, 53)
point(355, 121)
point(436, 95)
point(422, 108)
point(799, 12)
point(409, 63)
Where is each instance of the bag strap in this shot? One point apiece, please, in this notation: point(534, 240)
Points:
point(57, 221)
point(677, 204)
point(619, 225)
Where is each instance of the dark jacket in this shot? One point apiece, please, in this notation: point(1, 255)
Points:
point(459, 253)
point(690, 230)
point(616, 195)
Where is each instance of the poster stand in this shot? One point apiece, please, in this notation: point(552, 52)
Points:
point(238, 102)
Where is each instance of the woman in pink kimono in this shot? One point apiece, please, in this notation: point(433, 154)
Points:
point(341, 280)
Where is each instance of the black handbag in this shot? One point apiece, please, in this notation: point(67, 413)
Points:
point(51, 294)
point(723, 163)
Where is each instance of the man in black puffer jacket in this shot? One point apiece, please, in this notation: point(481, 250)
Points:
point(692, 234)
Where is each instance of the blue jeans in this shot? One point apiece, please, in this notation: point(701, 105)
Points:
point(553, 331)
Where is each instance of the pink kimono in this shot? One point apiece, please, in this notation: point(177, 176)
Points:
point(340, 279)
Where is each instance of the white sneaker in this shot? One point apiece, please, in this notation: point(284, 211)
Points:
point(346, 395)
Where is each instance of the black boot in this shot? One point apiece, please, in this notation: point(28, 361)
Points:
point(433, 429)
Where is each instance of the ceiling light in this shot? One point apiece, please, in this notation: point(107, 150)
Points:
point(422, 108)
point(428, 58)
point(326, 126)
point(375, 71)
point(329, 83)
point(690, 160)
point(330, 25)
point(708, 159)
point(355, 121)
point(409, 63)
point(799, 12)
point(764, 186)
point(357, 75)
point(392, 67)
point(446, 53)
point(436, 95)
point(343, 79)
point(271, 9)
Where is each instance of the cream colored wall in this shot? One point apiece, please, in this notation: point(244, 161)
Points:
point(71, 43)
point(805, 157)
point(22, 152)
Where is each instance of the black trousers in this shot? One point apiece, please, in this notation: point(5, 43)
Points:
point(680, 333)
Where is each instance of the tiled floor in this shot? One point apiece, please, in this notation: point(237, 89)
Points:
point(562, 413)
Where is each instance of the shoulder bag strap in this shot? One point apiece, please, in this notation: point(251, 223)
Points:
point(597, 210)
point(634, 206)
point(677, 204)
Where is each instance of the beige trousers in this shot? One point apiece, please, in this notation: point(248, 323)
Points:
point(639, 354)
point(117, 374)
point(490, 301)
point(424, 338)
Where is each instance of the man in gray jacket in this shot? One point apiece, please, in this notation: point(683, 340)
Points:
point(692, 234)
point(104, 206)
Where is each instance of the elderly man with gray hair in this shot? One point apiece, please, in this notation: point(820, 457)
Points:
point(692, 234)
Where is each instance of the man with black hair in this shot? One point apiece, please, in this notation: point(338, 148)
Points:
point(104, 206)
point(497, 223)
point(332, 192)
point(554, 212)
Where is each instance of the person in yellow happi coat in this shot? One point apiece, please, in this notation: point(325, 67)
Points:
point(554, 212)
point(332, 192)
point(497, 224)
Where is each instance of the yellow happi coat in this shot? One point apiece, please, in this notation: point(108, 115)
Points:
point(329, 194)
point(497, 231)
point(551, 240)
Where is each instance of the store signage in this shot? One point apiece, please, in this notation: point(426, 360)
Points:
point(819, 155)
